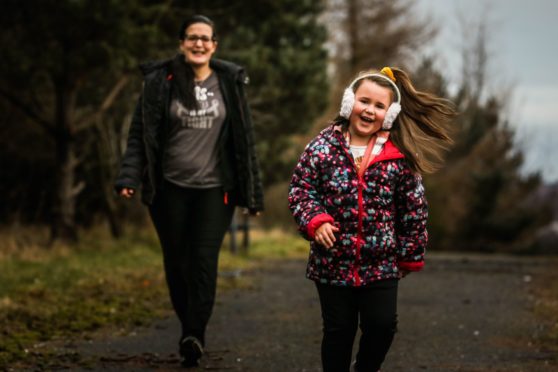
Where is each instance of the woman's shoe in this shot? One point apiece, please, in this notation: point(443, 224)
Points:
point(191, 351)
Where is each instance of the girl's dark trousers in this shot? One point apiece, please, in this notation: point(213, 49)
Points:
point(342, 307)
point(191, 224)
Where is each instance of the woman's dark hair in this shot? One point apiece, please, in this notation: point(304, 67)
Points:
point(198, 18)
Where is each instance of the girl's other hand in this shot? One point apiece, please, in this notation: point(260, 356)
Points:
point(325, 234)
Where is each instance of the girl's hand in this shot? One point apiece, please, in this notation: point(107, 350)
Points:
point(325, 234)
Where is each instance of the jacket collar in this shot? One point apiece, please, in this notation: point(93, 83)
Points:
point(388, 152)
point(218, 65)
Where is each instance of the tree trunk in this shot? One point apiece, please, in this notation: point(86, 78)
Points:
point(111, 212)
point(63, 225)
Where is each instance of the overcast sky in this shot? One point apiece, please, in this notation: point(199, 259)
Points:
point(523, 39)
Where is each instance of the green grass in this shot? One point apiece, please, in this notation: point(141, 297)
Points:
point(65, 293)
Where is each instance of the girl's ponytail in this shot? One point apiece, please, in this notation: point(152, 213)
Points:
point(422, 128)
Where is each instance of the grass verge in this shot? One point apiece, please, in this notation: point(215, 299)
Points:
point(69, 293)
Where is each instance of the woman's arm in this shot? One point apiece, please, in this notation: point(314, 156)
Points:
point(256, 202)
point(133, 161)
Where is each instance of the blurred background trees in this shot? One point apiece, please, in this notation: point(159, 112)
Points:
point(69, 81)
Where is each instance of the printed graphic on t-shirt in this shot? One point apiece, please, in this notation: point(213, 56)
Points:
point(204, 116)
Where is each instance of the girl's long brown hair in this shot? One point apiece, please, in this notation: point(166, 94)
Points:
point(421, 130)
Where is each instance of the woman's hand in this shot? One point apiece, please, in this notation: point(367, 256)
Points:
point(127, 193)
point(325, 234)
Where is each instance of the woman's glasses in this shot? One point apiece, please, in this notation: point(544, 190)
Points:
point(194, 39)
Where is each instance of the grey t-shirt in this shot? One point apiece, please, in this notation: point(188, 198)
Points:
point(191, 157)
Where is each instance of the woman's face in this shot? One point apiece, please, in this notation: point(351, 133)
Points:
point(198, 45)
point(371, 104)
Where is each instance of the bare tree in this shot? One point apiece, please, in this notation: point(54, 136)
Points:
point(476, 199)
point(63, 127)
point(368, 34)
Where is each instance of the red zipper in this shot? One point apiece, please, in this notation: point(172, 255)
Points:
point(359, 231)
point(366, 162)
point(356, 276)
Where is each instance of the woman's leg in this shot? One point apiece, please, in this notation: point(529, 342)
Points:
point(340, 321)
point(191, 224)
point(378, 322)
point(211, 218)
point(170, 213)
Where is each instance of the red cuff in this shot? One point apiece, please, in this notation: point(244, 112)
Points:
point(411, 266)
point(316, 222)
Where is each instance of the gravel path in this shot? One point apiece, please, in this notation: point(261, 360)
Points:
point(462, 313)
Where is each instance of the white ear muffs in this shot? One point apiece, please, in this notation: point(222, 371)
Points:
point(348, 101)
point(393, 110)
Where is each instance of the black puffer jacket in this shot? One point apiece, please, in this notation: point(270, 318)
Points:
point(141, 164)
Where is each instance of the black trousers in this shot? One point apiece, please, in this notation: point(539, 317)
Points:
point(342, 307)
point(191, 224)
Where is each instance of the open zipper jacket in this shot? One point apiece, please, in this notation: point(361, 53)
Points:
point(381, 216)
point(142, 161)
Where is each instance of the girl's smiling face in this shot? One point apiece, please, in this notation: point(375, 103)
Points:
point(371, 104)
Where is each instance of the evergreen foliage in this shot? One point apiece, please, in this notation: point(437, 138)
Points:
point(479, 200)
point(69, 81)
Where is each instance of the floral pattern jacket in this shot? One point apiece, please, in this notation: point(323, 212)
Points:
point(381, 217)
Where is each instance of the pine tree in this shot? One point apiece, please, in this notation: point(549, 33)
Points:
point(282, 46)
point(478, 201)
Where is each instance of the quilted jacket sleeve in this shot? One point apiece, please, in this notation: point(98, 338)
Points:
point(256, 197)
point(304, 199)
point(134, 160)
point(412, 215)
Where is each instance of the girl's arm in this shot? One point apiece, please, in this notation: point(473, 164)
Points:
point(304, 197)
point(411, 218)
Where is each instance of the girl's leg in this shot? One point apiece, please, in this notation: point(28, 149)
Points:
point(340, 321)
point(378, 322)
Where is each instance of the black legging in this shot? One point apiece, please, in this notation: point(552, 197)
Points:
point(376, 305)
point(191, 224)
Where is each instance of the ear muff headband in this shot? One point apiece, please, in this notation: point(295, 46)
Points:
point(348, 101)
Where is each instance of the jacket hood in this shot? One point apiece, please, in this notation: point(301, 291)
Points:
point(150, 66)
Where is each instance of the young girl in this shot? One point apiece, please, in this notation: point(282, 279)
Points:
point(356, 194)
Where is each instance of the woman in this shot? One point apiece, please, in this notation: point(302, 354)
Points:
point(357, 195)
point(191, 148)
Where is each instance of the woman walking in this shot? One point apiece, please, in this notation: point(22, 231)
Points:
point(191, 149)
